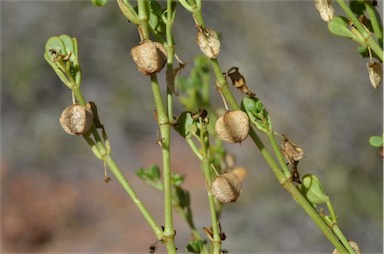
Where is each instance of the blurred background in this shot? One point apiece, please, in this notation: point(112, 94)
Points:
point(314, 85)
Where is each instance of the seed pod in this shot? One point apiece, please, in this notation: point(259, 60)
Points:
point(150, 57)
point(291, 151)
point(240, 172)
point(375, 72)
point(233, 126)
point(238, 81)
point(226, 188)
point(76, 119)
point(208, 42)
point(325, 9)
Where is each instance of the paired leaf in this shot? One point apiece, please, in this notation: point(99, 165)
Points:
point(151, 176)
point(313, 190)
point(257, 113)
point(186, 126)
point(339, 26)
point(195, 246)
point(61, 53)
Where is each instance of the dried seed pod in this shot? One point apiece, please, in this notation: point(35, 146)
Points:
point(208, 42)
point(238, 81)
point(150, 57)
point(226, 188)
point(291, 151)
point(76, 119)
point(233, 126)
point(325, 9)
point(240, 172)
point(375, 72)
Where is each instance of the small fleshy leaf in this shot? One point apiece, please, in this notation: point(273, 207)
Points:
point(312, 190)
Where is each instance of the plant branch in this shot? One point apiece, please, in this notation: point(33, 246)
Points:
point(370, 41)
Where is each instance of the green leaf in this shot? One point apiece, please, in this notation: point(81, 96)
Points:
point(357, 6)
point(195, 246)
point(151, 176)
point(177, 179)
point(363, 51)
point(257, 113)
point(181, 197)
point(186, 125)
point(99, 2)
point(376, 141)
point(312, 190)
point(155, 17)
point(339, 26)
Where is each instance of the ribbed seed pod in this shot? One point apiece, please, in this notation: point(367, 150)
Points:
point(208, 42)
point(375, 72)
point(226, 187)
point(325, 9)
point(76, 119)
point(150, 57)
point(233, 126)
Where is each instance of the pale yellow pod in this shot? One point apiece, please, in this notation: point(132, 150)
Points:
point(208, 42)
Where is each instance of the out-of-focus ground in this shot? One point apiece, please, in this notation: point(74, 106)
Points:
point(314, 85)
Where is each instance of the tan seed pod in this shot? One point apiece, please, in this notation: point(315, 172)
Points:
point(375, 72)
point(150, 57)
point(233, 126)
point(325, 9)
point(291, 151)
point(240, 172)
point(226, 188)
point(208, 42)
point(76, 119)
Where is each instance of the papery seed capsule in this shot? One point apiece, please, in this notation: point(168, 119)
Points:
point(375, 72)
point(325, 9)
point(226, 188)
point(76, 119)
point(233, 126)
point(150, 57)
point(208, 42)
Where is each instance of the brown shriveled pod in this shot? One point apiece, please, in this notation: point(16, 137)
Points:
point(375, 72)
point(233, 126)
point(150, 57)
point(226, 188)
point(76, 119)
point(208, 42)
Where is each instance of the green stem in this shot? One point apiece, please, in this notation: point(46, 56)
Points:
point(170, 52)
point(279, 156)
point(165, 128)
point(284, 181)
point(143, 19)
point(370, 41)
point(124, 183)
point(376, 22)
point(208, 180)
point(342, 238)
